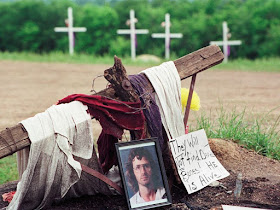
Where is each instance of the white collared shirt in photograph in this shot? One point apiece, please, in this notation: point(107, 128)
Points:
point(137, 199)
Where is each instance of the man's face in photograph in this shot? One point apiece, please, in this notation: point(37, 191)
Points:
point(142, 170)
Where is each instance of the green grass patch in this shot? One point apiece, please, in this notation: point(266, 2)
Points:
point(257, 65)
point(253, 134)
point(8, 169)
point(59, 57)
point(234, 126)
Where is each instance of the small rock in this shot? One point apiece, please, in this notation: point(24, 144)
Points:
point(229, 191)
point(148, 58)
point(214, 184)
point(217, 208)
point(178, 206)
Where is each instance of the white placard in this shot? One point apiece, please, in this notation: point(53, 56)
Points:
point(228, 207)
point(196, 164)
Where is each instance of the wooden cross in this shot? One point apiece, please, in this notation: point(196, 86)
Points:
point(132, 31)
point(70, 29)
point(167, 35)
point(225, 43)
point(16, 138)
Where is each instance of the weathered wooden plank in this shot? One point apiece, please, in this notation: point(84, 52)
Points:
point(198, 61)
point(187, 66)
point(13, 139)
point(117, 76)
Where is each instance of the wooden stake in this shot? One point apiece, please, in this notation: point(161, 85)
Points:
point(188, 107)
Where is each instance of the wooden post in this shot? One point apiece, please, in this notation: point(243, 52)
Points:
point(117, 76)
point(186, 117)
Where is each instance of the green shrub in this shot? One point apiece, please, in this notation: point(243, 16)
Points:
point(254, 22)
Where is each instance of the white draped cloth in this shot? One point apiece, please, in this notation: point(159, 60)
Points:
point(167, 84)
point(56, 135)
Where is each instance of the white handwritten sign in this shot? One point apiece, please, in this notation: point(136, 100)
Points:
point(196, 163)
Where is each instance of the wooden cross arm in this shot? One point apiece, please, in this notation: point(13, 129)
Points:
point(16, 138)
point(199, 61)
point(13, 139)
point(187, 66)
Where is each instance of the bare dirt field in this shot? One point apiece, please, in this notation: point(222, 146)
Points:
point(29, 88)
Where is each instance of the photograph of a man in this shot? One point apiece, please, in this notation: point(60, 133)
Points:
point(143, 177)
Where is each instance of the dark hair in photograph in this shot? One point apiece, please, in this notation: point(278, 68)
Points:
point(139, 153)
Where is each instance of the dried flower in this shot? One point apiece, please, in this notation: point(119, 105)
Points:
point(195, 103)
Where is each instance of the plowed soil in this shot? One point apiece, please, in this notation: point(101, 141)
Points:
point(29, 88)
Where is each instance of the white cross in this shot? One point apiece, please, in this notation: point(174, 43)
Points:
point(167, 35)
point(70, 29)
point(132, 31)
point(225, 41)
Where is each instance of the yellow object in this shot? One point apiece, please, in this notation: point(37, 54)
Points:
point(195, 103)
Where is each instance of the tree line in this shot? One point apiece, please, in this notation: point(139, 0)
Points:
point(28, 26)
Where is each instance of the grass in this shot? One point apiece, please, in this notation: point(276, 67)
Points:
point(59, 57)
point(258, 65)
point(8, 167)
point(253, 134)
point(230, 126)
point(264, 64)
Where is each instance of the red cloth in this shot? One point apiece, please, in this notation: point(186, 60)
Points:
point(113, 116)
point(8, 196)
point(107, 151)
